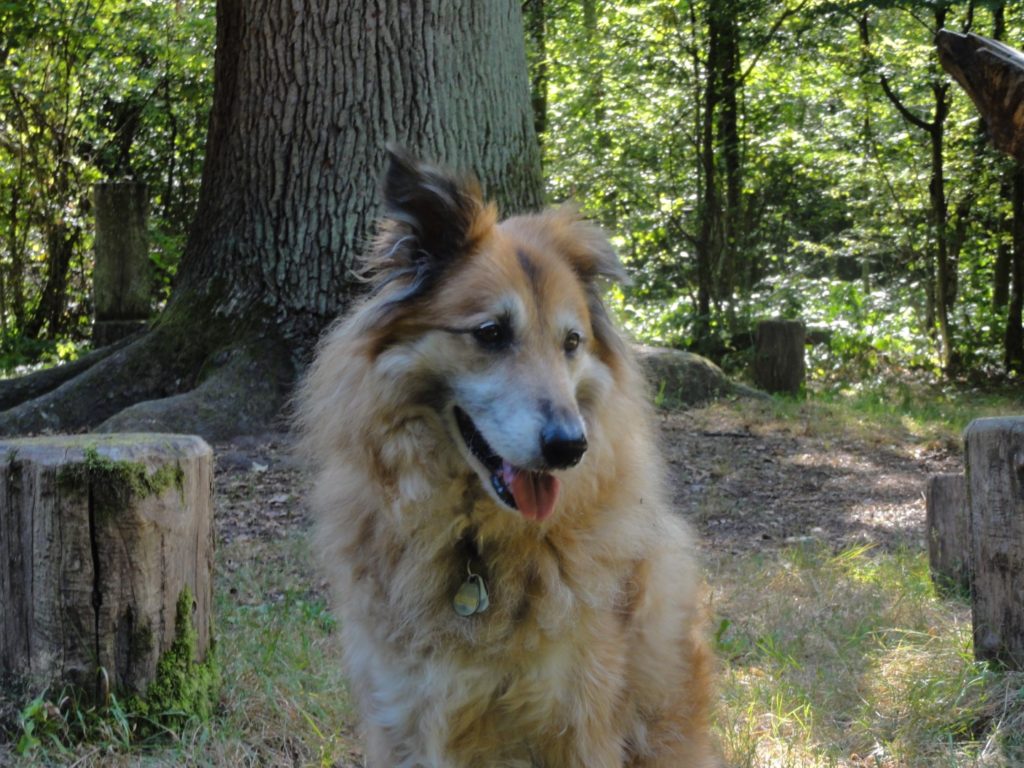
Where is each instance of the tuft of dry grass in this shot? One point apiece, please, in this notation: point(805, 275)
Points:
point(850, 658)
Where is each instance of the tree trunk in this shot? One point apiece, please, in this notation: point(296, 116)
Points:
point(304, 104)
point(1013, 339)
point(942, 292)
point(49, 312)
point(730, 274)
point(945, 271)
point(709, 227)
point(994, 450)
point(779, 356)
point(98, 539)
point(948, 531)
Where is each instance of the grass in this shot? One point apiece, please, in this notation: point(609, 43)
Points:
point(843, 658)
point(852, 659)
point(283, 700)
point(929, 416)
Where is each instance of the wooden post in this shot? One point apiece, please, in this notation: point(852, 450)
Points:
point(779, 356)
point(99, 536)
point(995, 489)
point(947, 526)
point(122, 274)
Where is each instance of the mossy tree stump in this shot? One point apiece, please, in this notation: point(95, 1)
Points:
point(99, 537)
point(779, 365)
point(948, 529)
point(994, 453)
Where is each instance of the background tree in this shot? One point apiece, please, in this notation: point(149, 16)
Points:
point(744, 154)
point(90, 89)
point(304, 103)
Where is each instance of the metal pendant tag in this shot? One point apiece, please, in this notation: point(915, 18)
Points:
point(472, 597)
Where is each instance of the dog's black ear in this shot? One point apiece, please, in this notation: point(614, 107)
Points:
point(430, 213)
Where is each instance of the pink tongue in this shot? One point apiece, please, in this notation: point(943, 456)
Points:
point(535, 492)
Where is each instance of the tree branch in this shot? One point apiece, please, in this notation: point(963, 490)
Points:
point(909, 116)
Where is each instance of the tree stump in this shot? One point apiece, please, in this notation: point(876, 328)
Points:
point(122, 275)
point(947, 526)
point(99, 537)
point(994, 449)
point(779, 356)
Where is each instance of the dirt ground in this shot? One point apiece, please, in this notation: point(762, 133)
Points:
point(746, 480)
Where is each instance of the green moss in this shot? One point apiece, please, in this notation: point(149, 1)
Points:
point(115, 484)
point(183, 689)
point(141, 641)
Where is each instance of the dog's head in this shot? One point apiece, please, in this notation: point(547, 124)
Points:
point(502, 322)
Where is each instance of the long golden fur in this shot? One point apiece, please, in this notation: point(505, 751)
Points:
point(423, 410)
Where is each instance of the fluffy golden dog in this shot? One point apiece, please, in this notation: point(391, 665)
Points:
point(512, 587)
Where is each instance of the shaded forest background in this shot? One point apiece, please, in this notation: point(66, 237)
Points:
point(753, 158)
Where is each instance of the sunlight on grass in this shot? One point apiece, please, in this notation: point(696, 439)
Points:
point(885, 415)
point(850, 659)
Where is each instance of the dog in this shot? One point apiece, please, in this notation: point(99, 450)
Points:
point(511, 585)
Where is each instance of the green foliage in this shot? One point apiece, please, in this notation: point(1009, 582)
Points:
point(91, 90)
point(833, 221)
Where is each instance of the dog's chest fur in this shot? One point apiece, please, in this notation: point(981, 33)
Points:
point(546, 659)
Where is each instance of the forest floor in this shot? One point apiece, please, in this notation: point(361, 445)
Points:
point(811, 522)
point(747, 481)
point(752, 479)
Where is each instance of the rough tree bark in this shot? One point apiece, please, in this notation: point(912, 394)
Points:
point(779, 364)
point(992, 74)
point(994, 453)
point(948, 531)
point(99, 537)
point(305, 99)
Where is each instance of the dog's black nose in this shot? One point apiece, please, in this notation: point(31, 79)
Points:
point(562, 445)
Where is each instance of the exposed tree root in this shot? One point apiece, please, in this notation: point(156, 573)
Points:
point(30, 386)
point(243, 394)
point(179, 377)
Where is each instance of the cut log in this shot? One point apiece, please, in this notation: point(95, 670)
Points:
point(122, 274)
point(993, 76)
point(994, 449)
point(779, 356)
point(947, 526)
point(99, 537)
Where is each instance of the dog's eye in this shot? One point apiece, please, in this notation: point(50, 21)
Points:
point(572, 341)
point(492, 335)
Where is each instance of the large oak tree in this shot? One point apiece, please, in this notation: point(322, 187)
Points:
point(307, 96)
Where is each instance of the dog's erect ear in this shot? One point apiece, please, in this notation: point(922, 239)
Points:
point(429, 215)
point(587, 247)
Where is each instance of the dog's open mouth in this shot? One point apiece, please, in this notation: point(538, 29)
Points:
point(532, 493)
